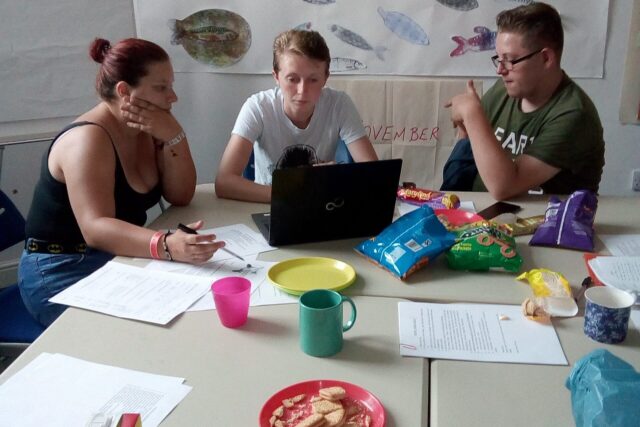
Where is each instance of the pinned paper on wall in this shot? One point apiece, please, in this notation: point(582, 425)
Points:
point(630, 95)
point(437, 38)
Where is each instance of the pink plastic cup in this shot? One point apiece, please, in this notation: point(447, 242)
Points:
point(231, 296)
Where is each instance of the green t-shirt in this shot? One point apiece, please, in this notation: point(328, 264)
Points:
point(565, 133)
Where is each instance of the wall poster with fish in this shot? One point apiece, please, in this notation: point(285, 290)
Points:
point(400, 37)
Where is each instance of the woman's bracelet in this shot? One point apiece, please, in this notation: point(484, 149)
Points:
point(153, 244)
point(167, 253)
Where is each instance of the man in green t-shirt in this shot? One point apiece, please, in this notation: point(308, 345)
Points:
point(535, 127)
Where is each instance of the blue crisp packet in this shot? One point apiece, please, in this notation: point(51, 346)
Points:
point(409, 243)
point(605, 391)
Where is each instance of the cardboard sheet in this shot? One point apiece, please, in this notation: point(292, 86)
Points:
point(406, 119)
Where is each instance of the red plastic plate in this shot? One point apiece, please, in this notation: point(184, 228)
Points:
point(371, 403)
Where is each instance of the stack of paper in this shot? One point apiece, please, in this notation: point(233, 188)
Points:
point(244, 241)
point(58, 390)
point(262, 292)
point(622, 272)
point(622, 244)
point(135, 293)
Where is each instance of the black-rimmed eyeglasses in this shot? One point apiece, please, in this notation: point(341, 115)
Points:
point(508, 64)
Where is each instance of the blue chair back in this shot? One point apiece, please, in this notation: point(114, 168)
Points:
point(11, 223)
point(250, 170)
point(17, 327)
point(342, 153)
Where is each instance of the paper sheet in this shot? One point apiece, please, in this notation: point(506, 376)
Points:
point(262, 291)
point(240, 239)
point(622, 244)
point(622, 272)
point(58, 390)
point(475, 332)
point(135, 293)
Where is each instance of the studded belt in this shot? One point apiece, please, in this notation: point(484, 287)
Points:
point(46, 247)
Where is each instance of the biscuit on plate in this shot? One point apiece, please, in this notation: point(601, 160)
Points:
point(298, 398)
point(313, 420)
point(335, 418)
point(325, 406)
point(333, 393)
point(278, 412)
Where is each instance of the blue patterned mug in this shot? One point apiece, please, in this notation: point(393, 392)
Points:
point(606, 316)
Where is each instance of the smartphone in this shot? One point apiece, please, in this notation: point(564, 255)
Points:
point(498, 208)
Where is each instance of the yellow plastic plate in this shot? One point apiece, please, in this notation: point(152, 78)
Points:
point(298, 275)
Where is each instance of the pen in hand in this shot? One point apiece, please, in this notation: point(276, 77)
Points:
point(190, 230)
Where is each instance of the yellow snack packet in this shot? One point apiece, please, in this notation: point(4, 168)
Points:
point(546, 283)
point(552, 294)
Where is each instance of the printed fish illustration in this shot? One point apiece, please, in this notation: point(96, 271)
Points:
point(356, 40)
point(305, 26)
point(209, 33)
point(320, 2)
point(341, 65)
point(485, 39)
point(404, 27)
point(462, 5)
point(522, 2)
point(213, 36)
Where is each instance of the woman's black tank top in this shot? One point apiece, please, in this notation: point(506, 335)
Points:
point(51, 217)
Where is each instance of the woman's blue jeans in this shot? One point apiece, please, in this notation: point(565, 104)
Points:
point(41, 276)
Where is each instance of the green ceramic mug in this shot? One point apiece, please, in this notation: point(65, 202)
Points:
point(321, 322)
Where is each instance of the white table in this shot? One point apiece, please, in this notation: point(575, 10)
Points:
point(234, 371)
point(231, 369)
point(503, 394)
point(436, 282)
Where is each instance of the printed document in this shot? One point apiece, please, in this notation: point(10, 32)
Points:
point(58, 390)
point(622, 244)
point(481, 332)
point(135, 293)
point(622, 272)
point(262, 291)
point(239, 239)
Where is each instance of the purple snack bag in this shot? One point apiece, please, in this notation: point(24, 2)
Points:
point(568, 224)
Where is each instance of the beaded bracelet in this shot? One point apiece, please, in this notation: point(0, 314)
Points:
point(153, 244)
point(167, 253)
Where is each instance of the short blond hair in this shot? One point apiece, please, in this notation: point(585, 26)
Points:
point(301, 42)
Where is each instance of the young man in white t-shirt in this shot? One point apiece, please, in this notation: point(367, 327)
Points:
point(298, 123)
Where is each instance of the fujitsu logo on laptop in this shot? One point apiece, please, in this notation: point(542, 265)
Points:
point(338, 202)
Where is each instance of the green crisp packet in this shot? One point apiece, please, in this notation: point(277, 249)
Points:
point(481, 246)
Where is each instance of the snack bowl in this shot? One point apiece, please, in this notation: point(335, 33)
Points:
point(355, 395)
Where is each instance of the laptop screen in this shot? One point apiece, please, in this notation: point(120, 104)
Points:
point(317, 203)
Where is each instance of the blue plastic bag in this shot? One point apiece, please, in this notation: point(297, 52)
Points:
point(409, 243)
point(605, 391)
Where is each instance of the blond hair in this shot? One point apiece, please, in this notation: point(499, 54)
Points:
point(301, 42)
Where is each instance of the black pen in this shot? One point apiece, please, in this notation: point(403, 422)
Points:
point(586, 284)
point(190, 230)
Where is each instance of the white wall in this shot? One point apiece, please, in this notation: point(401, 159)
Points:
point(208, 129)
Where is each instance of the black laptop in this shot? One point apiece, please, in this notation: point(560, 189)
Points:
point(318, 203)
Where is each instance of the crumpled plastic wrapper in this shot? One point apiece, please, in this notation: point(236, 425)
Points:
point(552, 295)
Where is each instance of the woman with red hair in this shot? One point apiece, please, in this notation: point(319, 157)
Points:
point(101, 174)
